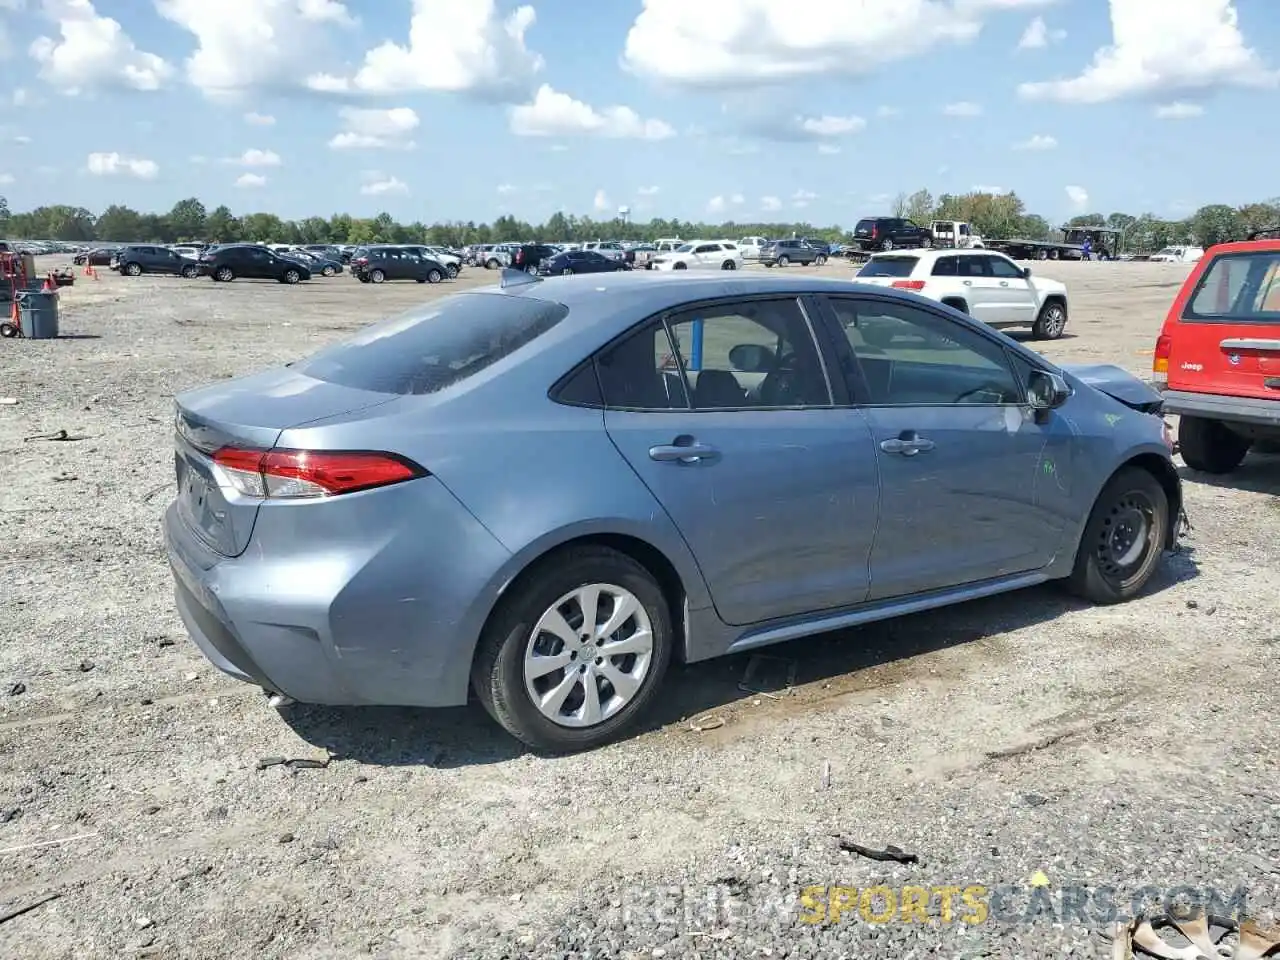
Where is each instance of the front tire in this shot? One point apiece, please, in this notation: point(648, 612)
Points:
point(543, 669)
point(1051, 322)
point(377, 276)
point(784, 261)
point(291, 277)
point(492, 264)
point(133, 269)
point(728, 265)
point(434, 276)
point(1123, 540)
point(452, 270)
point(1210, 446)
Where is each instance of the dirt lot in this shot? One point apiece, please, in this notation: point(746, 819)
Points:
point(1131, 746)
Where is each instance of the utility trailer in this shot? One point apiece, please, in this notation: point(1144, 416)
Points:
point(1105, 242)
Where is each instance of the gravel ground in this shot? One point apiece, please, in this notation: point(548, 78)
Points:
point(1127, 747)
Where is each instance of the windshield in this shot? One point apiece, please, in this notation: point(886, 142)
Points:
point(889, 267)
point(425, 351)
point(1168, 252)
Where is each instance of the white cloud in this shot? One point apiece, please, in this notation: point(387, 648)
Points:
point(94, 52)
point(801, 127)
point(737, 200)
point(962, 109)
point(601, 202)
point(770, 204)
point(1178, 111)
point(257, 158)
point(716, 205)
point(259, 119)
point(6, 179)
point(1163, 46)
point(1078, 196)
point(721, 43)
point(1038, 35)
point(828, 148)
point(984, 188)
point(244, 45)
point(370, 129)
point(505, 188)
point(115, 164)
point(247, 180)
point(554, 114)
point(648, 191)
point(802, 198)
point(383, 186)
point(1039, 141)
point(455, 46)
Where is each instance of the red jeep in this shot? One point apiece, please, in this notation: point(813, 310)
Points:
point(1217, 359)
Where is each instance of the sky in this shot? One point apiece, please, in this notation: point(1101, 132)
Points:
point(751, 110)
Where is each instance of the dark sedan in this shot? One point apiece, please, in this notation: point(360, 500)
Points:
point(244, 261)
point(580, 261)
point(380, 264)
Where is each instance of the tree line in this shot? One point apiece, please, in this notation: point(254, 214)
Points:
point(992, 215)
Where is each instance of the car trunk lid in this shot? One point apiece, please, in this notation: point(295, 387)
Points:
point(248, 412)
point(1226, 335)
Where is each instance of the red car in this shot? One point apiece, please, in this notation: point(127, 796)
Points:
point(1217, 359)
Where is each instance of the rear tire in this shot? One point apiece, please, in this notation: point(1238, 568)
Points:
point(1123, 540)
point(224, 274)
point(190, 273)
point(328, 271)
point(886, 246)
point(498, 672)
point(9, 331)
point(820, 261)
point(1210, 446)
point(492, 264)
point(680, 266)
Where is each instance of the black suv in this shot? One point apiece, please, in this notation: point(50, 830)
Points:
point(889, 233)
point(135, 261)
point(528, 256)
point(379, 264)
point(784, 252)
point(247, 261)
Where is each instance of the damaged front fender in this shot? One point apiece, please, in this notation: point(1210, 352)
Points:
point(1119, 384)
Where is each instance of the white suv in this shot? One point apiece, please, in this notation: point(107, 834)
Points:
point(986, 285)
point(701, 255)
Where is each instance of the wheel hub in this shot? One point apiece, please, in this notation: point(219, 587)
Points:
point(1125, 536)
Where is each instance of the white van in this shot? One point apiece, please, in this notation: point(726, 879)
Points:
point(750, 247)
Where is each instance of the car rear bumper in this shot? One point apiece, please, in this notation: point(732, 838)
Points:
point(359, 609)
point(1251, 410)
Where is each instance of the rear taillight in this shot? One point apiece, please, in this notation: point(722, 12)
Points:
point(1160, 361)
point(362, 260)
point(908, 284)
point(875, 232)
point(519, 256)
point(300, 474)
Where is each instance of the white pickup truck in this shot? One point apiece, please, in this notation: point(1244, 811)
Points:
point(956, 234)
point(986, 285)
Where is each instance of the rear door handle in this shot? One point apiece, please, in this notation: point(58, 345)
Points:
point(967, 283)
point(1004, 283)
point(683, 453)
point(906, 447)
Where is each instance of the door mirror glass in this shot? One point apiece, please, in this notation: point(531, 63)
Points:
point(1047, 391)
point(1026, 272)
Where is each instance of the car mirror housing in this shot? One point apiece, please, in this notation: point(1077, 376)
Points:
point(1047, 391)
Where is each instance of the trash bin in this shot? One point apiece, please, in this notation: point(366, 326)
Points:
point(38, 314)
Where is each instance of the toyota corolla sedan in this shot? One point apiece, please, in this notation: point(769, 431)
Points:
point(541, 493)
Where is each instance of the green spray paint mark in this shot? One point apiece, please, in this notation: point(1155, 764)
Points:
point(1048, 467)
point(1113, 419)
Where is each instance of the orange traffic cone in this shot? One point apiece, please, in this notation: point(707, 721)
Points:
point(47, 286)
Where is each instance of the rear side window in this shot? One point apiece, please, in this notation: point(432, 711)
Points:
point(424, 352)
point(1238, 288)
point(945, 267)
point(889, 267)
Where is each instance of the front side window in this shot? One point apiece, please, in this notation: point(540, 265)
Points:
point(908, 356)
point(1004, 269)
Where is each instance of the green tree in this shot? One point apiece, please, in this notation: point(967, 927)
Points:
point(1216, 223)
point(4, 216)
point(221, 226)
point(920, 207)
point(120, 224)
point(187, 219)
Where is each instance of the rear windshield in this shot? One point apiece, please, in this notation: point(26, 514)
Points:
point(864, 226)
point(432, 348)
point(1238, 288)
point(889, 267)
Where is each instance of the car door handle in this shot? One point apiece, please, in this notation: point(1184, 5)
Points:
point(683, 453)
point(1004, 283)
point(906, 446)
point(967, 283)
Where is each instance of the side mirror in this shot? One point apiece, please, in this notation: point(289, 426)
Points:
point(1047, 391)
point(1026, 272)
